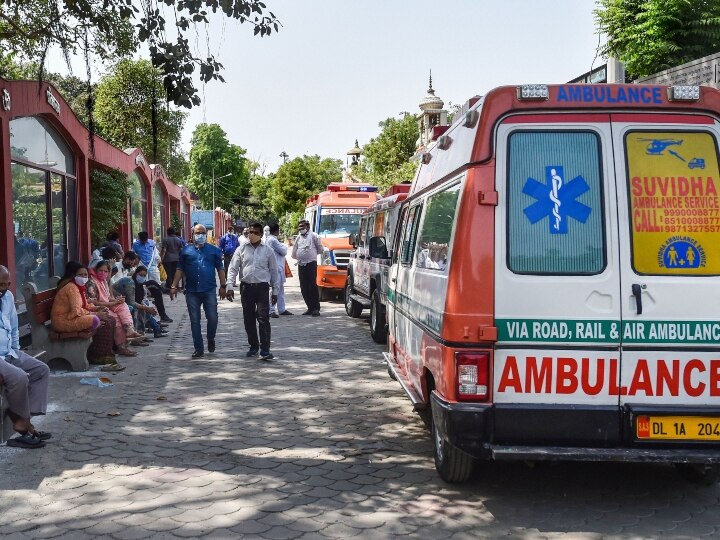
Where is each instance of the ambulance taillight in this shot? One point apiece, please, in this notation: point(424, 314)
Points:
point(473, 376)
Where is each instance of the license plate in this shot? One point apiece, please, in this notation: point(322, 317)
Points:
point(686, 428)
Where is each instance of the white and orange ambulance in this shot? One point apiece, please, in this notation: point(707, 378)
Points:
point(555, 289)
point(334, 215)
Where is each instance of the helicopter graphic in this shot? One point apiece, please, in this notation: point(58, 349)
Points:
point(658, 147)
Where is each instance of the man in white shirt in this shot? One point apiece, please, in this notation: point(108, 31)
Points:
point(255, 264)
point(24, 377)
point(306, 249)
point(280, 250)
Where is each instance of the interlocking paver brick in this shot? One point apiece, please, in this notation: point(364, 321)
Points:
point(317, 444)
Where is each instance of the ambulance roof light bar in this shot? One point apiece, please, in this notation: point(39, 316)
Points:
point(533, 92)
point(352, 187)
point(684, 93)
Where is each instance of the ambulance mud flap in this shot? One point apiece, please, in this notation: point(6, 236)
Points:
point(415, 397)
point(465, 426)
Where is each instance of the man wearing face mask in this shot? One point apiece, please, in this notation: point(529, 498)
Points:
point(198, 263)
point(306, 249)
point(24, 377)
point(255, 264)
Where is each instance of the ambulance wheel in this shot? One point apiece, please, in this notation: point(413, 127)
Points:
point(352, 308)
point(452, 464)
point(704, 474)
point(377, 319)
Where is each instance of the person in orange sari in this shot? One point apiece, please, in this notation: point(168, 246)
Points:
point(99, 294)
point(71, 312)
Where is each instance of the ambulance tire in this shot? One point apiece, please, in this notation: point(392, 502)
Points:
point(377, 319)
point(703, 474)
point(352, 308)
point(452, 464)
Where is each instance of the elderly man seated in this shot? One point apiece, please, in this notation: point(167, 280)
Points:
point(25, 378)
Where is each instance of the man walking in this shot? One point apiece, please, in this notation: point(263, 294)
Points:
point(24, 377)
point(305, 250)
point(170, 254)
point(280, 250)
point(198, 263)
point(228, 244)
point(254, 263)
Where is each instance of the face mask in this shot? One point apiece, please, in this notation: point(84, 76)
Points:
point(304, 231)
point(102, 274)
point(200, 239)
point(254, 238)
point(141, 279)
point(82, 281)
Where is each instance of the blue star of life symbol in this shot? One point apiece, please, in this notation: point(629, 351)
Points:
point(556, 199)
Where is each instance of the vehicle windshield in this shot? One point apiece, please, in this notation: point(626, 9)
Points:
point(339, 225)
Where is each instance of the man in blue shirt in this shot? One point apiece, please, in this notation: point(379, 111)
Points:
point(198, 263)
point(25, 378)
point(228, 243)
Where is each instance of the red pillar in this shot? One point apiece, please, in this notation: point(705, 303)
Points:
point(7, 227)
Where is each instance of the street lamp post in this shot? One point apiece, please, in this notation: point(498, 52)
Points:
point(213, 184)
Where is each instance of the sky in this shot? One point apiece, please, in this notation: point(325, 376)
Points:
point(337, 68)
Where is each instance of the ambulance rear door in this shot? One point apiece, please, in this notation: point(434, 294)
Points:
point(557, 283)
point(668, 200)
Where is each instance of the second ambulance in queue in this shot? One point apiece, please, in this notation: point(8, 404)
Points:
point(334, 215)
point(555, 287)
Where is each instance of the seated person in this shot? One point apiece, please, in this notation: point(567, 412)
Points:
point(126, 288)
point(24, 377)
point(130, 261)
point(99, 294)
point(146, 315)
point(71, 312)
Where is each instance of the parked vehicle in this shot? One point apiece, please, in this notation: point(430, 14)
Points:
point(334, 215)
point(366, 285)
point(554, 286)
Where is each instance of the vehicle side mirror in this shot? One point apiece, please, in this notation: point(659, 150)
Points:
point(378, 247)
point(353, 240)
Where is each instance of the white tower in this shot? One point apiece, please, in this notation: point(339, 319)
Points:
point(432, 114)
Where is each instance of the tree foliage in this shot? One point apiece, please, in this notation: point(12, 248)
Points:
point(652, 35)
point(108, 201)
point(300, 178)
point(387, 156)
point(127, 98)
point(212, 154)
point(113, 29)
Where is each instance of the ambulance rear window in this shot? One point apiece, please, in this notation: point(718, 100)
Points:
point(673, 183)
point(555, 203)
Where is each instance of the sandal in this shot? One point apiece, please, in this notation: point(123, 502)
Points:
point(122, 351)
point(139, 344)
point(26, 440)
point(42, 435)
point(112, 367)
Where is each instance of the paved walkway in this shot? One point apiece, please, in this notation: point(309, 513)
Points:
point(318, 443)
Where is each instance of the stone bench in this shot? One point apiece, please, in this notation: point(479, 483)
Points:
point(62, 349)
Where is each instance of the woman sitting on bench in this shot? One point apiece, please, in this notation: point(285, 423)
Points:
point(71, 312)
point(99, 294)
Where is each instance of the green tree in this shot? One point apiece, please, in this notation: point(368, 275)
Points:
point(387, 156)
point(126, 101)
point(113, 29)
point(108, 201)
point(652, 35)
point(300, 178)
point(212, 154)
point(257, 206)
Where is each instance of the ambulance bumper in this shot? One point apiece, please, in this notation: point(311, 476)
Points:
point(471, 428)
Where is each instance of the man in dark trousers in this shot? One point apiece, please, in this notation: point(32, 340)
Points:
point(255, 264)
point(305, 250)
point(228, 243)
point(198, 263)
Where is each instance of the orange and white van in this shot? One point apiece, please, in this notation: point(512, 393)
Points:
point(334, 215)
point(555, 287)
